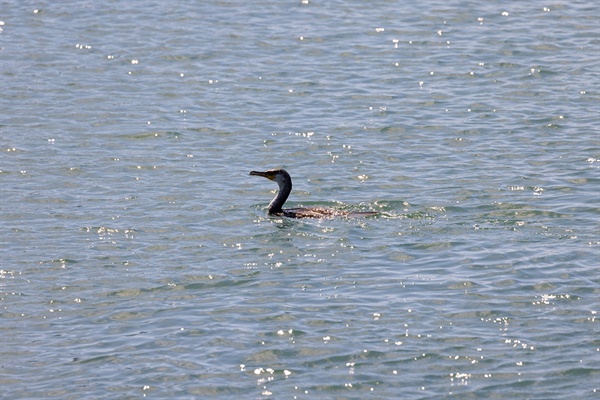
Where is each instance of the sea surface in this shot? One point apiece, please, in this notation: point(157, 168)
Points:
point(137, 258)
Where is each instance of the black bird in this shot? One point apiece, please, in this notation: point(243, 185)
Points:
point(284, 180)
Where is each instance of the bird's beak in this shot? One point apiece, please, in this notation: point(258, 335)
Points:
point(263, 174)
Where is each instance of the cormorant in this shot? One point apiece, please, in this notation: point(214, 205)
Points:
point(284, 181)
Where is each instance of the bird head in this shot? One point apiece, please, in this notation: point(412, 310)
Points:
point(277, 175)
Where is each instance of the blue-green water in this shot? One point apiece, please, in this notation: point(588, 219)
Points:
point(137, 259)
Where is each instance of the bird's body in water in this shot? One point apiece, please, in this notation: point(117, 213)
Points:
point(284, 181)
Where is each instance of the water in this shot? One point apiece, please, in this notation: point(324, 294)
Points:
point(137, 259)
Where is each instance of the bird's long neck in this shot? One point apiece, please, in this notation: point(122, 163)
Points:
point(285, 187)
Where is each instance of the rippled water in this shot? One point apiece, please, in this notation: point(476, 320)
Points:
point(137, 259)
